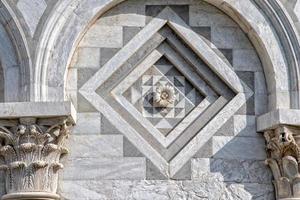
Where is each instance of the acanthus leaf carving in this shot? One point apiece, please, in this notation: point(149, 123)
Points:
point(32, 149)
point(283, 158)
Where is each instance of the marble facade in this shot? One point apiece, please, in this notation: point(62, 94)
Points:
point(176, 99)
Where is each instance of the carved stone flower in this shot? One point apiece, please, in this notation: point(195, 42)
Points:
point(164, 96)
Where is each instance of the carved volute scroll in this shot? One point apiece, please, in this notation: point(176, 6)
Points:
point(283, 159)
point(31, 149)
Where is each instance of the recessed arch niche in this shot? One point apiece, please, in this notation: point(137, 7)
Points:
point(15, 61)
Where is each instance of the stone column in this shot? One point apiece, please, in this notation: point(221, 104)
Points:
point(31, 146)
point(282, 133)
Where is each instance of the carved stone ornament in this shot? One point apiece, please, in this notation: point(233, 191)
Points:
point(283, 159)
point(164, 95)
point(31, 150)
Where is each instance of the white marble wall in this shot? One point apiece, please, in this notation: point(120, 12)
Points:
point(104, 165)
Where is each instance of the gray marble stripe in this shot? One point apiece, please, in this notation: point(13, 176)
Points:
point(96, 146)
point(110, 168)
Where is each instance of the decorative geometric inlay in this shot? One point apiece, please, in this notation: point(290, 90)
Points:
point(203, 97)
point(148, 118)
point(141, 94)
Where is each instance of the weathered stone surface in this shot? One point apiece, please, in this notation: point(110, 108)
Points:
point(84, 74)
point(181, 10)
point(231, 170)
point(37, 109)
point(184, 173)
point(32, 11)
point(107, 53)
point(88, 123)
point(103, 36)
point(227, 55)
point(246, 60)
point(248, 108)
point(130, 150)
point(207, 15)
point(72, 80)
point(165, 190)
point(125, 14)
point(82, 104)
point(260, 83)
point(95, 146)
point(13, 73)
point(129, 33)
point(105, 168)
point(88, 58)
point(261, 97)
point(261, 104)
point(245, 125)
point(107, 127)
point(239, 147)
point(272, 119)
point(248, 78)
point(203, 32)
point(249, 191)
point(153, 173)
point(227, 129)
point(205, 151)
point(229, 38)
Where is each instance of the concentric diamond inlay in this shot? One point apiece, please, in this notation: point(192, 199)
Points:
point(167, 54)
point(141, 95)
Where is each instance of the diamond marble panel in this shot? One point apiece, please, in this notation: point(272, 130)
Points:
point(126, 99)
point(158, 116)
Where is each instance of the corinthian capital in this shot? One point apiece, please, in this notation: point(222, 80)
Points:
point(281, 129)
point(283, 158)
point(31, 148)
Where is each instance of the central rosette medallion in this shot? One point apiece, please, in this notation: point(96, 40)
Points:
point(164, 95)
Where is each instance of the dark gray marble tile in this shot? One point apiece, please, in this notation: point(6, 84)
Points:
point(129, 150)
